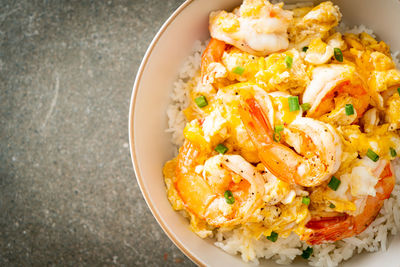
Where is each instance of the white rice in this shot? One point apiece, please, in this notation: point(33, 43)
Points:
point(284, 251)
point(293, 6)
point(343, 28)
point(180, 94)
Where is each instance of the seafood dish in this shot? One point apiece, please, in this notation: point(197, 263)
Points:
point(288, 128)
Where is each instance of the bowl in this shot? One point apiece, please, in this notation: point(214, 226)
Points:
point(150, 145)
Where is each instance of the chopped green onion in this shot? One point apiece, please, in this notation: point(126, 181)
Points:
point(305, 49)
point(294, 103)
point(334, 183)
point(306, 200)
point(277, 137)
point(398, 90)
point(220, 148)
point(307, 253)
point(332, 206)
point(349, 109)
point(229, 197)
point(305, 106)
point(278, 128)
point(289, 61)
point(201, 101)
point(338, 54)
point(372, 155)
point(273, 237)
point(238, 70)
point(393, 152)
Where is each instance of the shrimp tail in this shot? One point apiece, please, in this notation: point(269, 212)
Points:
point(329, 229)
point(279, 159)
point(256, 125)
point(213, 53)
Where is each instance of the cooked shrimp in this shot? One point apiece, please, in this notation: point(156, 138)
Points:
point(339, 226)
point(202, 187)
point(330, 82)
point(257, 27)
point(320, 145)
point(211, 68)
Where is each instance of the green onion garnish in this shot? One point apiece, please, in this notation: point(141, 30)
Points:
point(393, 152)
point(238, 70)
point(306, 200)
point(201, 101)
point(398, 90)
point(273, 237)
point(338, 54)
point(305, 106)
point(276, 136)
point(372, 155)
point(229, 197)
point(278, 128)
point(305, 49)
point(349, 109)
point(288, 61)
point(307, 253)
point(334, 183)
point(332, 206)
point(220, 148)
point(294, 103)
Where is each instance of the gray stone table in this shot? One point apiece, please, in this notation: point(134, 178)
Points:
point(68, 194)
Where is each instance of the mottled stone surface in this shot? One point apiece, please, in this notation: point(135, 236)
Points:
point(68, 194)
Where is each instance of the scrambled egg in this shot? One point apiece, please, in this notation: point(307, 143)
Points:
point(313, 43)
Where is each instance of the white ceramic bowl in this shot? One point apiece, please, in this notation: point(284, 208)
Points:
point(150, 144)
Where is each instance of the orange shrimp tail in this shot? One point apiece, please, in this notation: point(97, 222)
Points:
point(280, 160)
point(329, 229)
point(254, 120)
point(213, 53)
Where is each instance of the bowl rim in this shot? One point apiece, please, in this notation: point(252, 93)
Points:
point(131, 129)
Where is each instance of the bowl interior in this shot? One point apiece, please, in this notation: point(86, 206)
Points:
point(150, 144)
